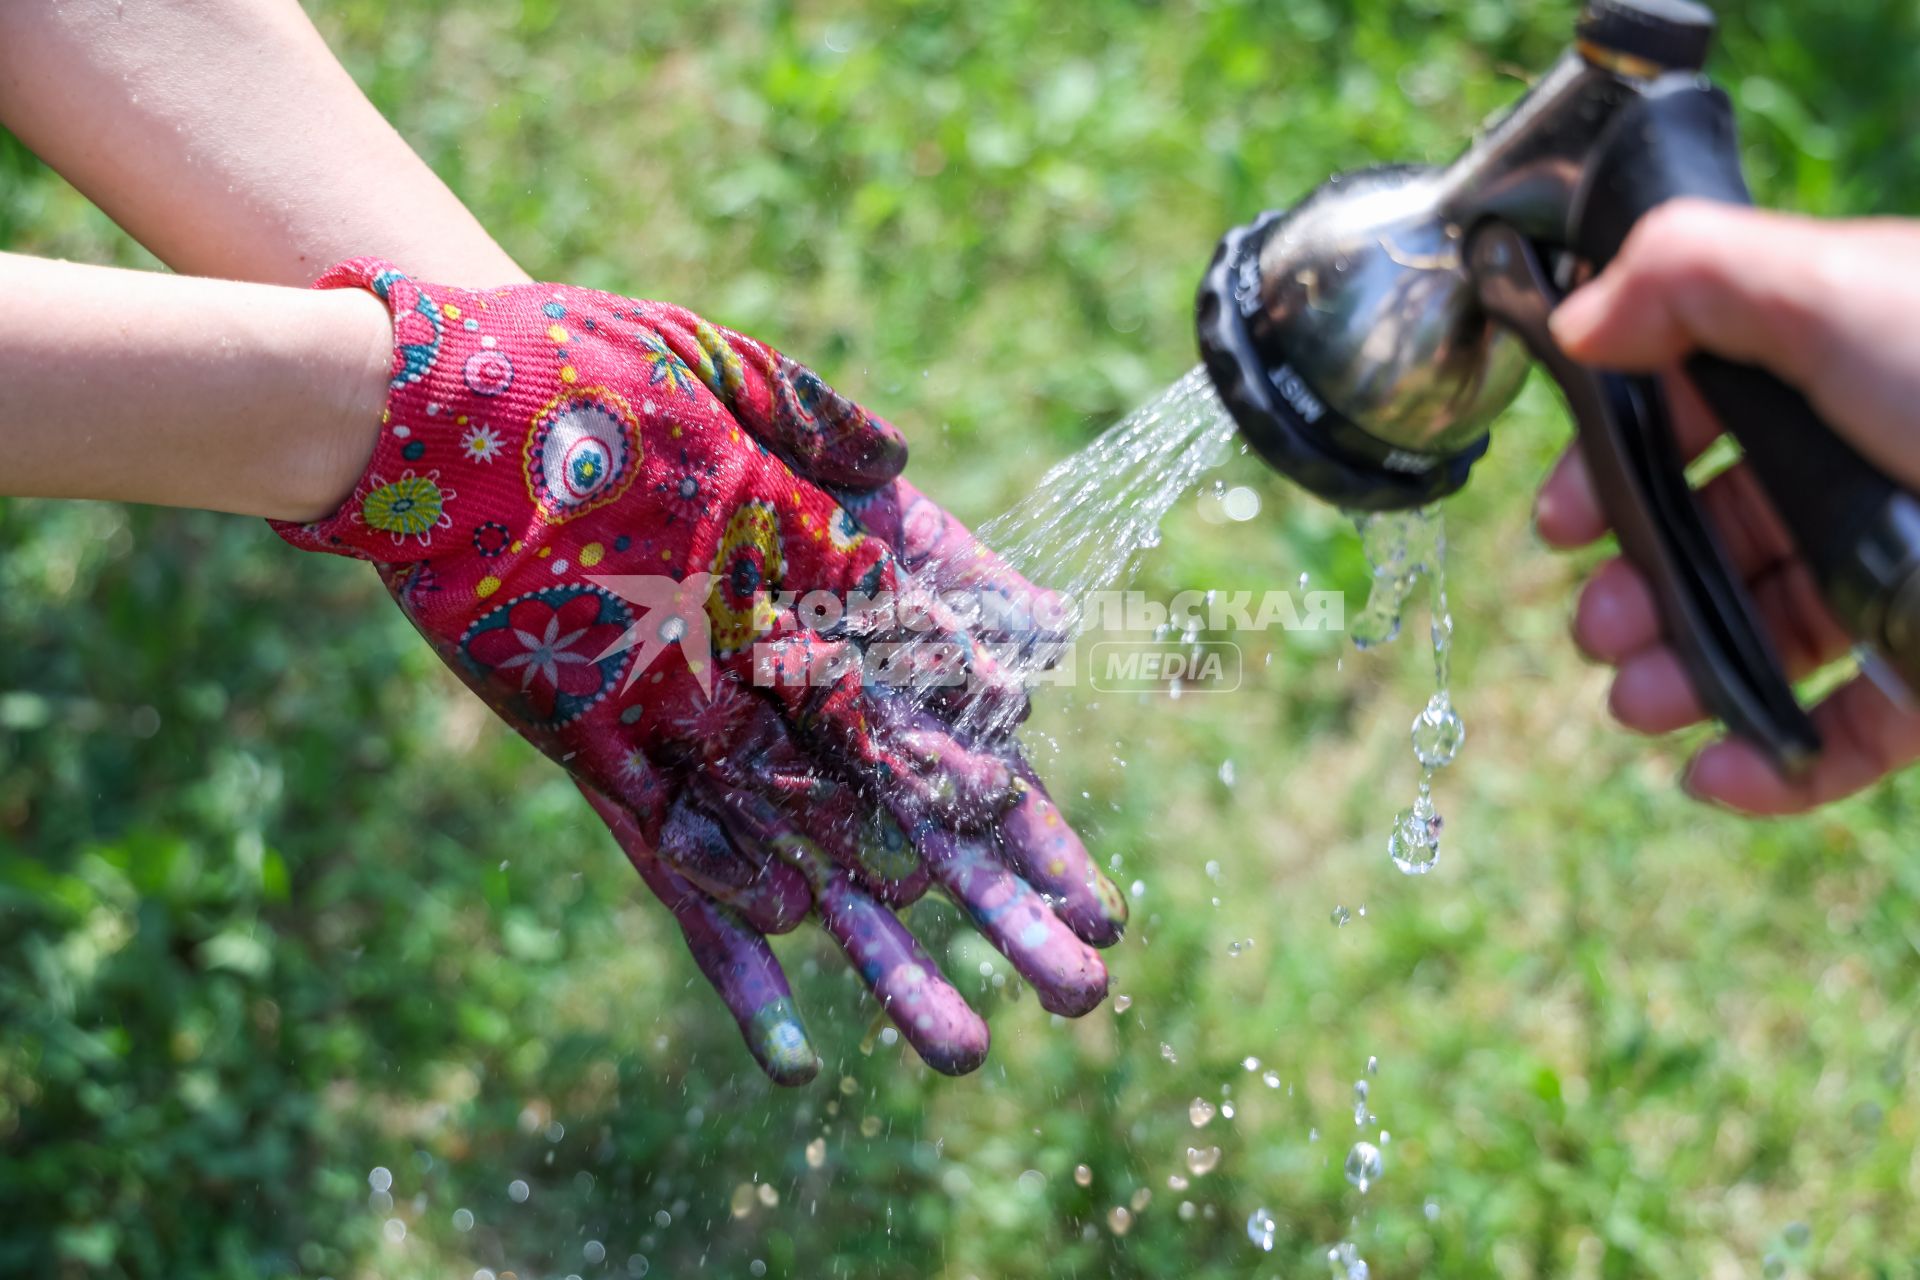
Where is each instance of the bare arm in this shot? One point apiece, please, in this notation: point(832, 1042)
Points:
point(224, 136)
point(143, 387)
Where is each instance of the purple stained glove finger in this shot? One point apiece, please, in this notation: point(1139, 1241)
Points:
point(1037, 842)
point(866, 843)
point(978, 784)
point(1066, 974)
point(742, 970)
point(764, 759)
point(947, 1034)
point(771, 896)
point(817, 683)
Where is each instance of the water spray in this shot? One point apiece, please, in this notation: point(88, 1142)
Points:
point(1366, 339)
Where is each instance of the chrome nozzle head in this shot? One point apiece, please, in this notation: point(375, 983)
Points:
point(1345, 337)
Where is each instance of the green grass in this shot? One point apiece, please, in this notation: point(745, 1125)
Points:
point(278, 903)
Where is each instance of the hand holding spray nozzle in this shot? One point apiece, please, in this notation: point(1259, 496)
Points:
point(1365, 340)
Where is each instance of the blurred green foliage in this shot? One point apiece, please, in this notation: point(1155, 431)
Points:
point(283, 917)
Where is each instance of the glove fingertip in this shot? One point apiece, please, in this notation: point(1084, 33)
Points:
point(778, 1041)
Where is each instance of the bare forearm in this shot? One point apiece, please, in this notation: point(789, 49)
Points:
point(144, 387)
point(225, 137)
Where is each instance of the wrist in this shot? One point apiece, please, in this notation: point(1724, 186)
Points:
point(353, 336)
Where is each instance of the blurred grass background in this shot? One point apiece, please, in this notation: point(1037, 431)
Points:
point(281, 909)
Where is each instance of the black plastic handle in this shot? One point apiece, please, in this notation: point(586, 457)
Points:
point(1858, 529)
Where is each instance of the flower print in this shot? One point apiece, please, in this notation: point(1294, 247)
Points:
point(686, 495)
point(747, 566)
point(481, 444)
point(550, 648)
point(582, 453)
point(664, 368)
point(411, 507)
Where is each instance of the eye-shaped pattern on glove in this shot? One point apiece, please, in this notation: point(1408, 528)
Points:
point(595, 509)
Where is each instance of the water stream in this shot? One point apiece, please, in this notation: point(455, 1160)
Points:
point(1403, 548)
point(1084, 528)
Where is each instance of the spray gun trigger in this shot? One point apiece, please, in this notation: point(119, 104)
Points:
point(1626, 439)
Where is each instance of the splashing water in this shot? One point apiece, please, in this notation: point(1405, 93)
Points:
point(1085, 525)
point(1363, 1166)
point(1261, 1229)
point(1346, 1263)
point(1403, 548)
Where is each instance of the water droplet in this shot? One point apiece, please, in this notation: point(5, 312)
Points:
point(1363, 1165)
point(1359, 1102)
point(1346, 1262)
point(1033, 1182)
point(1261, 1229)
point(1250, 1062)
point(518, 1191)
point(1176, 1183)
point(756, 1268)
point(394, 1230)
point(768, 1196)
point(1122, 1003)
point(1271, 1079)
point(1438, 732)
point(1373, 1065)
point(742, 1202)
point(1083, 1175)
point(1166, 1052)
point(1141, 1199)
point(380, 1179)
point(816, 1153)
point(593, 1251)
point(1227, 775)
point(1201, 1160)
point(1340, 916)
point(1119, 1220)
point(463, 1219)
point(1187, 1210)
point(1414, 845)
point(1199, 1112)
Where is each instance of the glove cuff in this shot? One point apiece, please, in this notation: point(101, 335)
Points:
point(397, 512)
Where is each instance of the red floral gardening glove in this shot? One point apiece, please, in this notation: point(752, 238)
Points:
point(599, 512)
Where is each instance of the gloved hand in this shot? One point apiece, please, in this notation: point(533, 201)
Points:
point(586, 504)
